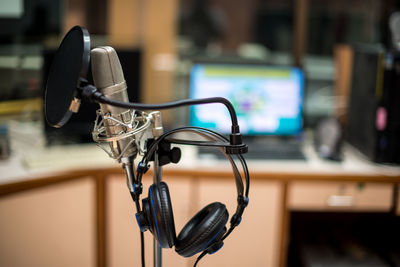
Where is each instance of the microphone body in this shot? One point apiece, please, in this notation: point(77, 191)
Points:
point(109, 78)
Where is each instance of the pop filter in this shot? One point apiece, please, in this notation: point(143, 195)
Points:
point(68, 70)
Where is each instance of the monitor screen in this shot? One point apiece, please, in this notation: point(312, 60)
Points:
point(268, 99)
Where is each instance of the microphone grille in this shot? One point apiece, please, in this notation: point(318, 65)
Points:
point(106, 68)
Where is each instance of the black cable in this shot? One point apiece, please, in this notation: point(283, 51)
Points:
point(246, 174)
point(228, 232)
point(247, 177)
point(240, 157)
point(160, 138)
point(199, 258)
point(142, 249)
point(136, 199)
point(138, 209)
point(195, 143)
point(142, 253)
point(179, 103)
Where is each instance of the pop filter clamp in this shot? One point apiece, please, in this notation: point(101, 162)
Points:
point(67, 86)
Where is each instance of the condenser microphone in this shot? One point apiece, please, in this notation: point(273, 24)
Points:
point(108, 77)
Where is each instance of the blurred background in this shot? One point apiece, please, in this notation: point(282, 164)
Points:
point(157, 41)
point(352, 74)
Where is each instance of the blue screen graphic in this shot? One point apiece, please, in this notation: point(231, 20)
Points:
point(268, 99)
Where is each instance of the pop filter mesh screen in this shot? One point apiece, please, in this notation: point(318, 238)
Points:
point(64, 78)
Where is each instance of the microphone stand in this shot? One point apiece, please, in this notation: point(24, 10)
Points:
point(157, 174)
point(157, 256)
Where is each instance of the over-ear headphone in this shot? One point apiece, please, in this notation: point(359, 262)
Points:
point(206, 228)
point(204, 232)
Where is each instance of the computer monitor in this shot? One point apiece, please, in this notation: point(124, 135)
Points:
point(268, 99)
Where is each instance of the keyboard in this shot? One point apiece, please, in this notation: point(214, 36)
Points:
point(277, 150)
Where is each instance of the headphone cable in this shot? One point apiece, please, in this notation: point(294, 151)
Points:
point(142, 253)
point(142, 248)
point(199, 258)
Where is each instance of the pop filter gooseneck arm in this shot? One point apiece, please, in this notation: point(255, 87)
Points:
point(90, 93)
point(174, 104)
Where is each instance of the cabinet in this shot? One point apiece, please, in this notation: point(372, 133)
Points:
point(49, 226)
point(87, 217)
point(123, 238)
point(340, 196)
point(398, 200)
point(189, 195)
point(255, 242)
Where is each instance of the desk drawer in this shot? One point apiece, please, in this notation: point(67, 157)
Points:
point(340, 196)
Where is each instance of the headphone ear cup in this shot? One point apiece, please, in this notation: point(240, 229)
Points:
point(160, 214)
point(206, 227)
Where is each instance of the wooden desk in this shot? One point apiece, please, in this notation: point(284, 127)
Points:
point(99, 195)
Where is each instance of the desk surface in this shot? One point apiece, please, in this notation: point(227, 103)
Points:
point(61, 159)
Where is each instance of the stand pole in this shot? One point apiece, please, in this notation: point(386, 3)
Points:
point(157, 256)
